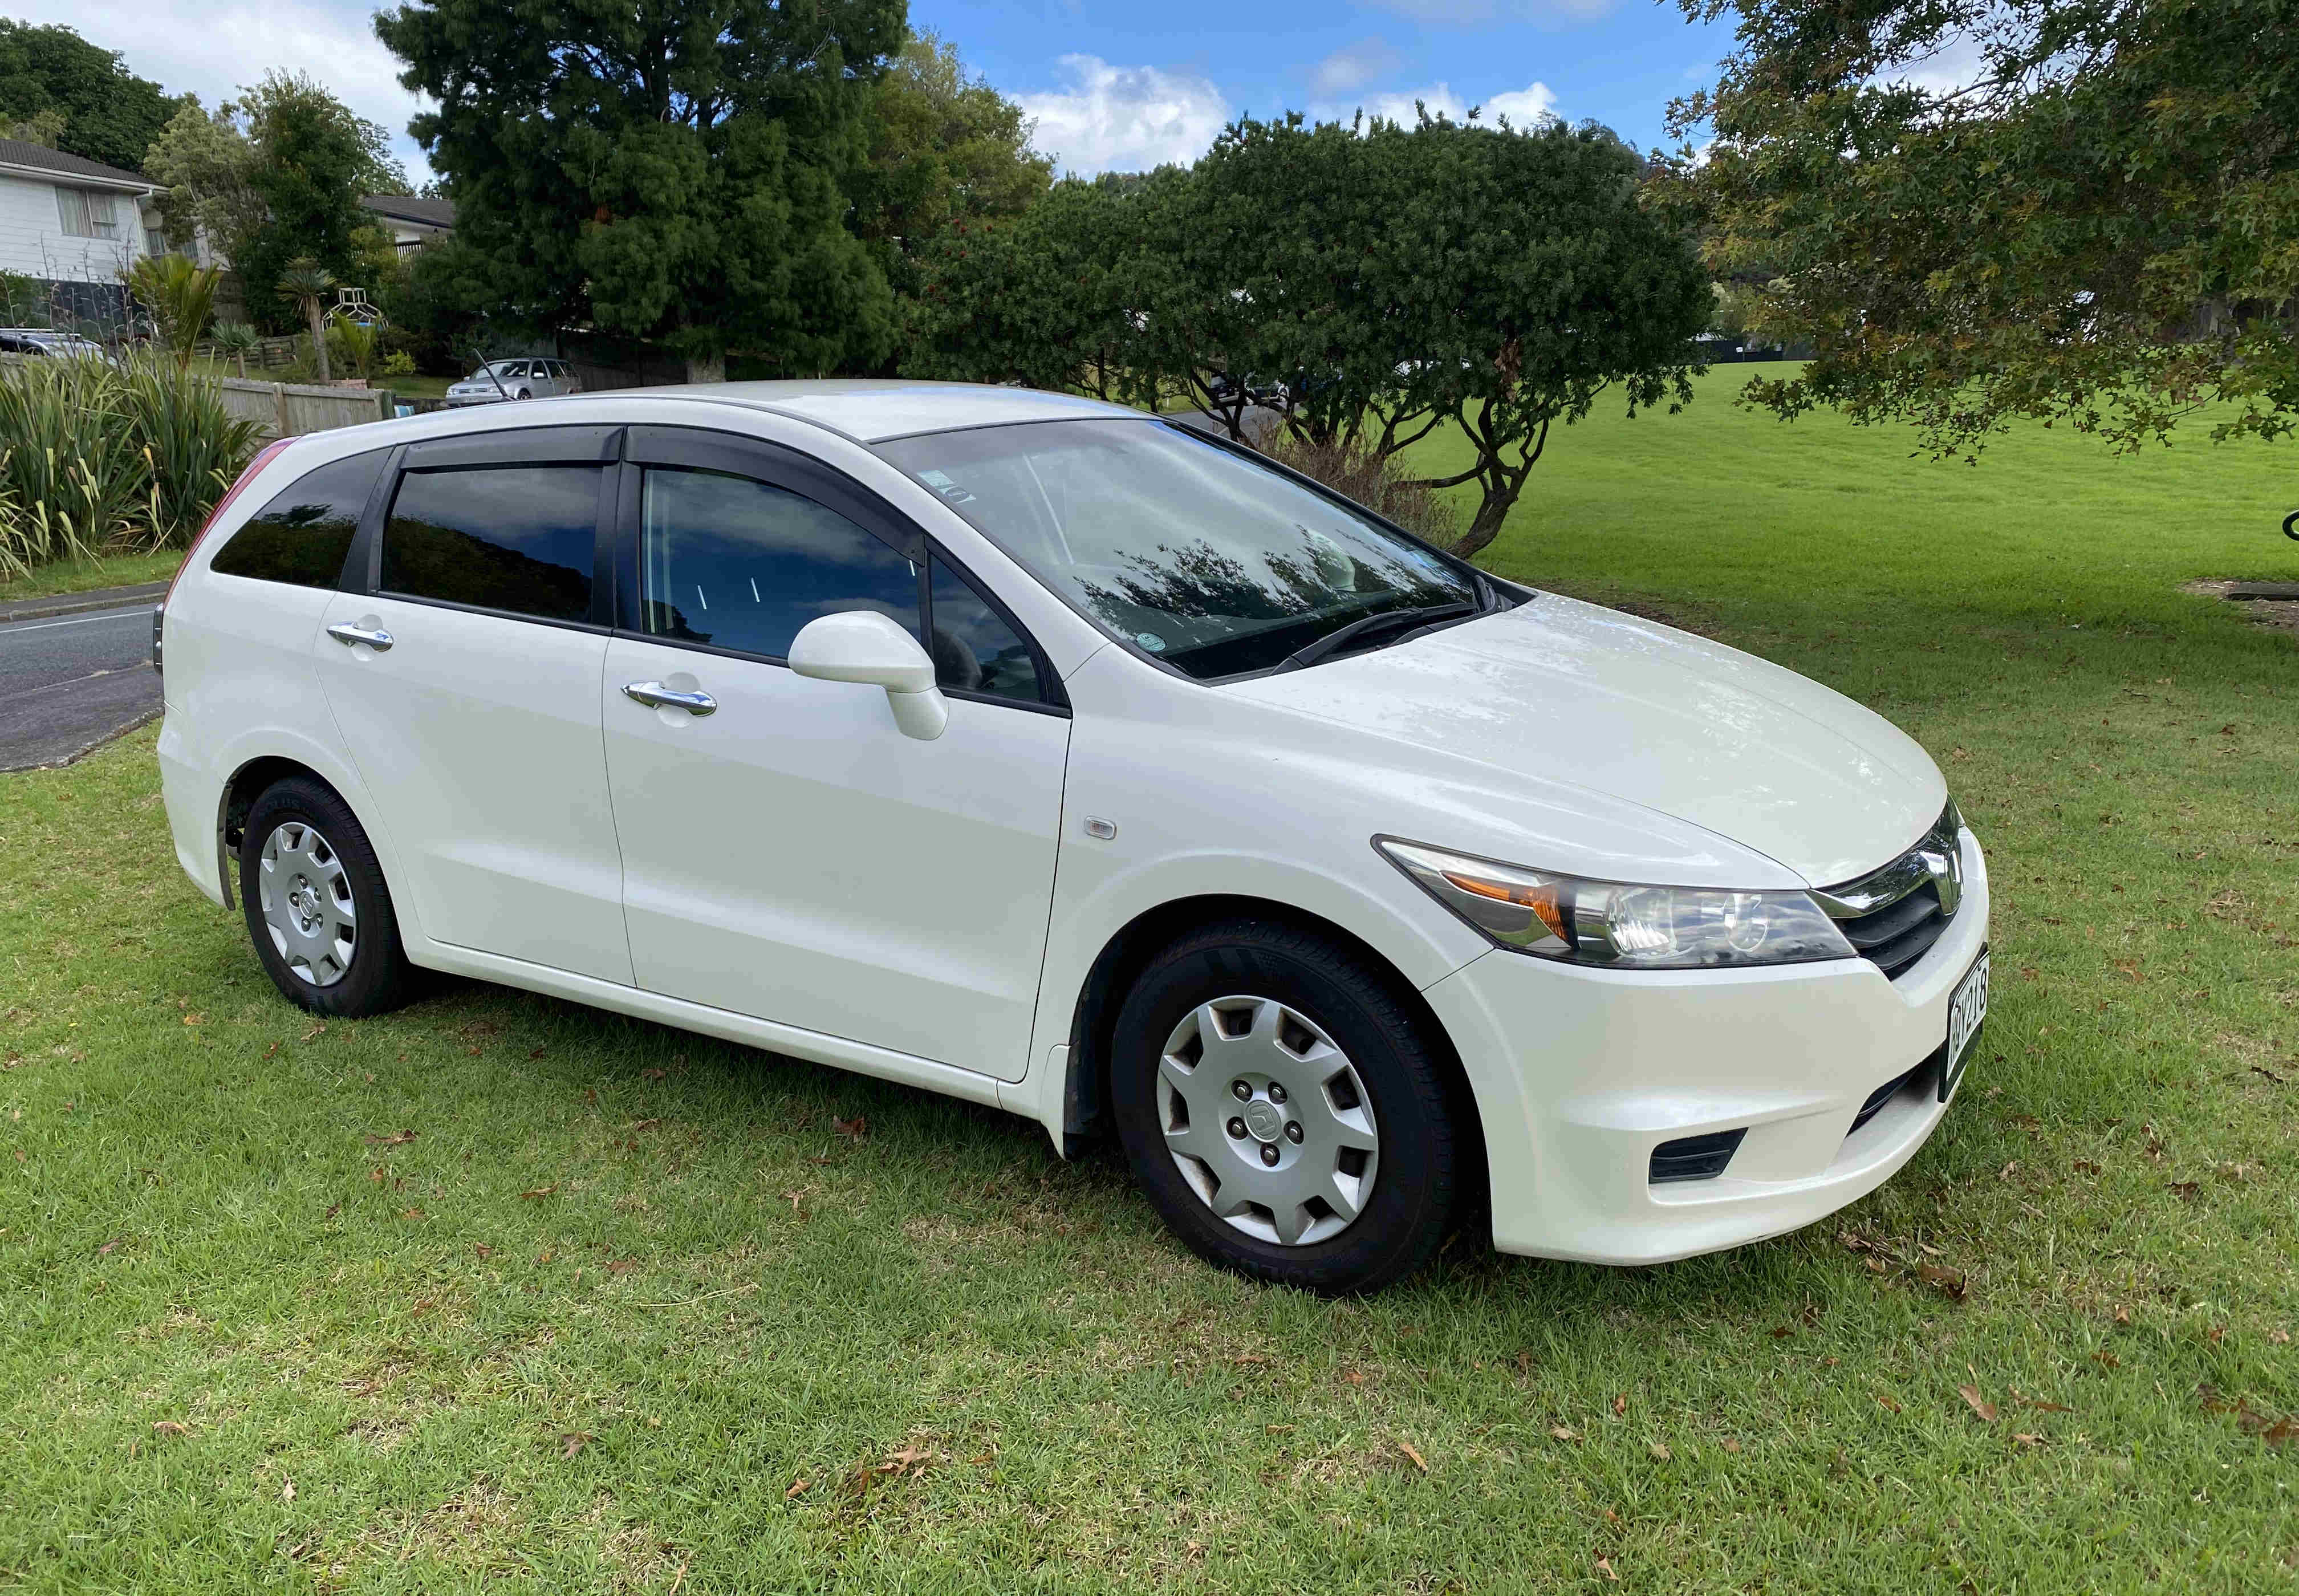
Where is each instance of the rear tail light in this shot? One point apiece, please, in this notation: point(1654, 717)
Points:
point(159, 610)
point(264, 457)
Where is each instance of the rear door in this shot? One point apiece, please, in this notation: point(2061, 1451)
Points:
point(464, 674)
point(791, 855)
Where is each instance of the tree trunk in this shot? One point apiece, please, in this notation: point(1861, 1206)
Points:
point(1492, 509)
point(706, 368)
point(239, 357)
point(318, 341)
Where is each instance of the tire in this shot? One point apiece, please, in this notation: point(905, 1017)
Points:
point(323, 875)
point(523, 394)
point(1308, 1026)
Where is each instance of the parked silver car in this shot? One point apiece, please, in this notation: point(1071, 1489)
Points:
point(514, 380)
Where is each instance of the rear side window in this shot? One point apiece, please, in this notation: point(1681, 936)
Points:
point(741, 564)
point(516, 538)
point(975, 650)
point(304, 534)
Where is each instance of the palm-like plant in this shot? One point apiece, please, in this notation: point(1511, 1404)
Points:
point(308, 283)
point(236, 338)
point(180, 296)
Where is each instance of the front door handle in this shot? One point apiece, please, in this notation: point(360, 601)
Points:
point(375, 637)
point(655, 695)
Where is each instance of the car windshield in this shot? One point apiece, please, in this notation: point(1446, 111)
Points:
point(1183, 549)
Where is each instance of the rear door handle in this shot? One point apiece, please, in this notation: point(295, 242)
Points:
point(655, 695)
point(375, 637)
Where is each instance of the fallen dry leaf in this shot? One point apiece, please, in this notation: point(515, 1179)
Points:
point(482, 1250)
point(537, 1194)
point(411, 1213)
point(2186, 1190)
point(796, 1488)
point(1604, 1567)
point(653, 1075)
point(2024, 1439)
point(1730, 1445)
point(1418, 1461)
point(1659, 1449)
point(1353, 1376)
point(571, 1442)
point(1949, 1282)
point(1564, 1432)
point(2122, 1314)
point(1986, 1409)
point(854, 1129)
point(396, 1139)
point(1621, 1405)
point(1888, 1403)
point(115, 1241)
point(288, 1491)
point(316, 1031)
point(169, 1426)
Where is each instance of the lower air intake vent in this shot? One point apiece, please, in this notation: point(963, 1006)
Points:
point(1696, 1158)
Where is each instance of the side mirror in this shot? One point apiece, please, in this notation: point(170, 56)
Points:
point(862, 646)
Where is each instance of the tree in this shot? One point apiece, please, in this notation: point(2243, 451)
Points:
point(274, 175)
point(670, 170)
point(1543, 284)
point(947, 151)
point(2097, 223)
point(306, 284)
point(51, 78)
point(178, 296)
point(1043, 299)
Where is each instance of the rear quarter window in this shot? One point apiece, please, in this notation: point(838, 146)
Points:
point(304, 534)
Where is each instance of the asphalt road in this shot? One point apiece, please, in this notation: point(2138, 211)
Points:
point(71, 682)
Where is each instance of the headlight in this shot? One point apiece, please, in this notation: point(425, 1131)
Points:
point(1618, 924)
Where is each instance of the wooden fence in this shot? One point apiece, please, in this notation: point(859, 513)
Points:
point(291, 409)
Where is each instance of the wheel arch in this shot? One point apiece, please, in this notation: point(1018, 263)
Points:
point(1085, 1091)
point(246, 784)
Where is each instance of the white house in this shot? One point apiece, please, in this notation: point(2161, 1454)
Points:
point(411, 222)
point(75, 224)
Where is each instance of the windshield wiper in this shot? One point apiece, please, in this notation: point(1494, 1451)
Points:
point(1366, 627)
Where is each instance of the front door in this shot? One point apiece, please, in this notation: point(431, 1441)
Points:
point(466, 683)
point(791, 855)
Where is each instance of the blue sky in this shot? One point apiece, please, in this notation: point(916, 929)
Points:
point(1112, 87)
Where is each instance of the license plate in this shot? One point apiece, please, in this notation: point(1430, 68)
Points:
point(1966, 1008)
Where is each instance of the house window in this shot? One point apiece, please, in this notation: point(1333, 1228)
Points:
point(88, 213)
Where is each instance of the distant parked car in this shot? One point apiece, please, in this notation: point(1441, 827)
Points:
point(47, 344)
point(514, 380)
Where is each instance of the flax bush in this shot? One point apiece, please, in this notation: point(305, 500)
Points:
point(96, 458)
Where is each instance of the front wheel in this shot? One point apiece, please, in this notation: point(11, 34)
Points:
point(318, 909)
point(1283, 1110)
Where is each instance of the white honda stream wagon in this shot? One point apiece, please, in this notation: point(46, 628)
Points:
point(1048, 754)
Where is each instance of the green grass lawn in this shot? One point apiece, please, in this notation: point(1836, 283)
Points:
point(502, 1292)
point(79, 576)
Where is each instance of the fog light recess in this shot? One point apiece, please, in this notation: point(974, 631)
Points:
point(1694, 1158)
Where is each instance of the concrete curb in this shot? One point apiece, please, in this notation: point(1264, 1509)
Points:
point(73, 603)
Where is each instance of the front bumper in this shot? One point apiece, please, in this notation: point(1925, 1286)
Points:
point(1579, 1074)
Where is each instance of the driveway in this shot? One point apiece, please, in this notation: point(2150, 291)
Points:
point(70, 682)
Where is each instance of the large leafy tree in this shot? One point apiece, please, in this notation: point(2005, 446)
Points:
point(2081, 211)
point(668, 168)
point(274, 175)
point(947, 151)
point(91, 103)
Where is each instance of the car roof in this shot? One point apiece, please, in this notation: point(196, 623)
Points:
point(872, 410)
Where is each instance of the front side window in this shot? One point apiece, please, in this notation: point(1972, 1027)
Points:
point(517, 538)
point(741, 564)
point(304, 534)
point(975, 650)
point(1199, 556)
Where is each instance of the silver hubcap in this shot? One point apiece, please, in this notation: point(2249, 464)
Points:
point(306, 900)
point(1267, 1120)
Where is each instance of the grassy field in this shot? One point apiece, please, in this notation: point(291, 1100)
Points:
point(79, 576)
point(501, 1293)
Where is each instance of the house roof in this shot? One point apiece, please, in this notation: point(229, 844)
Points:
point(406, 207)
point(15, 152)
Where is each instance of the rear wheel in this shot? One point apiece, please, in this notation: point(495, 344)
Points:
point(318, 909)
point(1283, 1110)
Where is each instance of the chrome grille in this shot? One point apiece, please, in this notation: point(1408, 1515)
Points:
point(1893, 916)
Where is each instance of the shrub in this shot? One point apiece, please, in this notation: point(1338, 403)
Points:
point(95, 456)
point(1382, 486)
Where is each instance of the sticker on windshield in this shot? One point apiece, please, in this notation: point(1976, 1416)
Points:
point(1151, 641)
point(940, 483)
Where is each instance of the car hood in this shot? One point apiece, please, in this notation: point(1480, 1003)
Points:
point(1567, 692)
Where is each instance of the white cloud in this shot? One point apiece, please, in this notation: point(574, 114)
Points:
point(1472, 14)
point(215, 50)
point(1124, 119)
point(1353, 66)
point(1524, 107)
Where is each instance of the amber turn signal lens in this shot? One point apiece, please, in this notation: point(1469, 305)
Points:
point(1541, 899)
